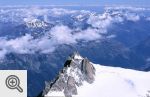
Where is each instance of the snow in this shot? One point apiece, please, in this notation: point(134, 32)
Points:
point(114, 82)
point(78, 57)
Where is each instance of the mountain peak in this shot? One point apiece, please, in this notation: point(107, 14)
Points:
point(81, 78)
point(76, 70)
point(76, 55)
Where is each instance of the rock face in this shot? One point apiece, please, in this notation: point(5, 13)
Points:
point(76, 70)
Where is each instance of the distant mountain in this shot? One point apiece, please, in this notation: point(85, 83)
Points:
point(82, 78)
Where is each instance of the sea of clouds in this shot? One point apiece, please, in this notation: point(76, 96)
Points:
point(62, 34)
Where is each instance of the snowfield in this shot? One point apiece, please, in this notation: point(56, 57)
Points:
point(114, 82)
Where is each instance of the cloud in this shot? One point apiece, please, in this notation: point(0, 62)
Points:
point(113, 15)
point(26, 44)
point(60, 11)
point(18, 45)
point(132, 17)
point(58, 35)
point(87, 35)
point(3, 52)
point(126, 8)
point(61, 33)
point(148, 60)
point(148, 18)
point(111, 36)
point(101, 21)
point(25, 14)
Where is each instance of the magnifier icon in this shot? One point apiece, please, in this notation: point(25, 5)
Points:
point(13, 82)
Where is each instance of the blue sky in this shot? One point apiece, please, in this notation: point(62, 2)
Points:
point(77, 2)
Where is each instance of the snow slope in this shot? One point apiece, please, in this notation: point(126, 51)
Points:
point(114, 82)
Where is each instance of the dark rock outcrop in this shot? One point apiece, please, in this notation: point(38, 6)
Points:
point(76, 70)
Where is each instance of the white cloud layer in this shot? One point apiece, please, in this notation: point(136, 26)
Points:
point(58, 35)
point(62, 34)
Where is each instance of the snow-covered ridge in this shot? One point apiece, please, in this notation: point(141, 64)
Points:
point(108, 82)
point(35, 23)
point(18, 14)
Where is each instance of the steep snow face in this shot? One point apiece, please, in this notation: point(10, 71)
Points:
point(113, 82)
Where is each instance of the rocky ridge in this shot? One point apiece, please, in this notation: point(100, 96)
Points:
point(76, 70)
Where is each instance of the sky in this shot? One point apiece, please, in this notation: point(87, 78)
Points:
point(75, 2)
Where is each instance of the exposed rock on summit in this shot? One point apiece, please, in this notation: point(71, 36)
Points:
point(76, 70)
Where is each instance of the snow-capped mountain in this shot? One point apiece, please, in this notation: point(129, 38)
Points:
point(35, 23)
point(82, 78)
